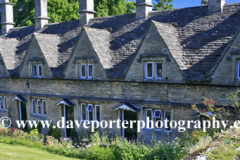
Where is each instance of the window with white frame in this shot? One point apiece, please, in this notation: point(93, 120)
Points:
point(167, 116)
point(3, 103)
point(39, 107)
point(90, 112)
point(150, 116)
point(33, 106)
point(86, 71)
point(83, 112)
point(44, 108)
point(158, 119)
point(154, 70)
point(36, 71)
point(238, 69)
point(97, 113)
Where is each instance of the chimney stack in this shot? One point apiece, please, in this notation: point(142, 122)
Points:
point(86, 11)
point(143, 7)
point(7, 16)
point(215, 6)
point(41, 14)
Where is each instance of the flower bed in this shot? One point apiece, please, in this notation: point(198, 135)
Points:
point(99, 147)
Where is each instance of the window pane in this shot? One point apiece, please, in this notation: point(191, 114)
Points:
point(34, 70)
point(83, 112)
point(149, 70)
point(89, 108)
point(40, 70)
point(44, 107)
point(158, 123)
point(83, 71)
point(157, 114)
point(39, 107)
point(33, 107)
point(90, 114)
point(0, 70)
point(168, 117)
point(159, 70)
point(90, 67)
point(149, 114)
point(98, 113)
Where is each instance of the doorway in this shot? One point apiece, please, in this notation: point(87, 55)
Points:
point(68, 114)
point(22, 107)
point(130, 133)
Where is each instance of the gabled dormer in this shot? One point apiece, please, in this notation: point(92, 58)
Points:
point(41, 57)
point(227, 68)
point(156, 60)
point(90, 57)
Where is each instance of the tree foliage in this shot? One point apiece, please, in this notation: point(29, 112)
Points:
point(204, 2)
point(163, 4)
point(66, 10)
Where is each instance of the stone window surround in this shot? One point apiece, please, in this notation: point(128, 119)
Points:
point(36, 100)
point(154, 69)
point(163, 115)
point(84, 61)
point(94, 114)
point(37, 70)
point(3, 102)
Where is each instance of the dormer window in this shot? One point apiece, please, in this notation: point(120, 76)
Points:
point(86, 71)
point(36, 71)
point(153, 70)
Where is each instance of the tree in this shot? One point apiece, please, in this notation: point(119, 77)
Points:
point(204, 2)
point(113, 7)
point(66, 10)
point(163, 4)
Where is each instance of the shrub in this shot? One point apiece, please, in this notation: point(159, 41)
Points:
point(50, 129)
point(222, 152)
point(39, 127)
point(55, 133)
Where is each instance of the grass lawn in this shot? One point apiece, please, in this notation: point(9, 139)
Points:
point(11, 152)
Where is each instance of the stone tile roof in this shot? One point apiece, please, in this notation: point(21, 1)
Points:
point(100, 42)
point(199, 39)
point(49, 46)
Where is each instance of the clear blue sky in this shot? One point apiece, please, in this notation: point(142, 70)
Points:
point(191, 3)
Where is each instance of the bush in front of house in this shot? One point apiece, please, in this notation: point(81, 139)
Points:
point(99, 146)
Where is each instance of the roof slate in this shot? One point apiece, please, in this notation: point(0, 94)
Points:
point(199, 39)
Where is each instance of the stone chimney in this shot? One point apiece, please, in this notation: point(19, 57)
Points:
point(143, 7)
point(215, 6)
point(86, 11)
point(41, 14)
point(7, 16)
